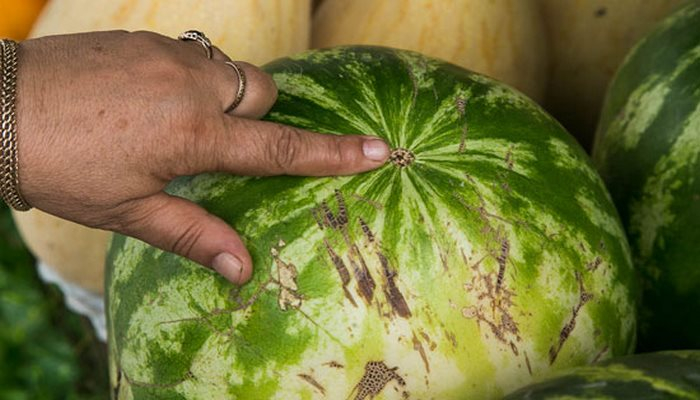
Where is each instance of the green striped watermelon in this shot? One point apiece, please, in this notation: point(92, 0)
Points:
point(486, 253)
point(652, 376)
point(648, 152)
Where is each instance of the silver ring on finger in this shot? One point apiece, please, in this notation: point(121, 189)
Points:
point(241, 86)
point(199, 37)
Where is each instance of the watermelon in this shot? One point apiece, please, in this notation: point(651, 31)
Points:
point(484, 254)
point(648, 152)
point(662, 375)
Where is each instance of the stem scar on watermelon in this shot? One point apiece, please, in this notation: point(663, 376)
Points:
point(460, 269)
point(401, 157)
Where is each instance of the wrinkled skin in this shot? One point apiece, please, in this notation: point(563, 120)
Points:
point(106, 120)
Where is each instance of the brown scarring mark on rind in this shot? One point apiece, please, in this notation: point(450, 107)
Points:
point(310, 380)
point(371, 202)
point(354, 265)
point(509, 158)
point(593, 265)
point(493, 303)
point(486, 216)
point(377, 375)
point(452, 338)
point(317, 218)
point(584, 297)
point(461, 104)
point(600, 354)
point(514, 348)
point(469, 312)
point(428, 340)
point(392, 292)
point(338, 263)
point(418, 346)
point(334, 364)
point(527, 363)
point(465, 259)
point(502, 260)
point(365, 229)
point(236, 304)
point(362, 275)
point(287, 280)
point(365, 282)
point(342, 271)
point(235, 296)
point(444, 259)
point(328, 216)
point(342, 217)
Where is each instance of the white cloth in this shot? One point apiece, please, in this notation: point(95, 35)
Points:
point(78, 299)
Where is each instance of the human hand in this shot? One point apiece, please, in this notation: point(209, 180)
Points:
point(105, 120)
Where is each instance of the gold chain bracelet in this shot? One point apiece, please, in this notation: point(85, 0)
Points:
point(9, 174)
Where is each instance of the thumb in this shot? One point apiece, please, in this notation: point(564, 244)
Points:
point(179, 226)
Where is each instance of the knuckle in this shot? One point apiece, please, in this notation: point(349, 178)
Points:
point(266, 94)
point(169, 72)
point(287, 148)
point(199, 150)
point(335, 156)
point(187, 239)
point(164, 63)
point(337, 151)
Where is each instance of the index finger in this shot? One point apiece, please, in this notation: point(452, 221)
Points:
point(259, 148)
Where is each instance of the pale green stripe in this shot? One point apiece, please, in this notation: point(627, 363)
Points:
point(654, 211)
point(308, 89)
point(625, 373)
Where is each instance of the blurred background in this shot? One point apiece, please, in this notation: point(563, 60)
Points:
point(46, 350)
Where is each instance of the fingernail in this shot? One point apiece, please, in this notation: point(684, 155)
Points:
point(375, 149)
point(229, 266)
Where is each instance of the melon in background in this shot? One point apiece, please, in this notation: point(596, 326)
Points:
point(588, 40)
point(17, 17)
point(663, 375)
point(256, 31)
point(648, 152)
point(504, 39)
point(484, 255)
point(77, 253)
point(252, 30)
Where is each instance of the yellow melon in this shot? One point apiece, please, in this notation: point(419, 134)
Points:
point(501, 38)
point(77, 253)
point(256, 31)
point(587, 41)
point(17, 17)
